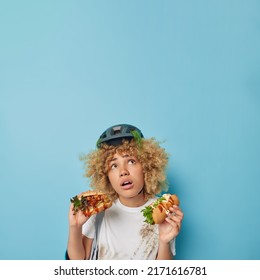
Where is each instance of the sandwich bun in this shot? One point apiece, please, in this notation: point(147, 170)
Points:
point(91, 202)
point(157, 211)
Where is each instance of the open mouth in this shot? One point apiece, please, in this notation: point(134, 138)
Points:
point(127, 184)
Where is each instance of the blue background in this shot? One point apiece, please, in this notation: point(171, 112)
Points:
point(185, 72)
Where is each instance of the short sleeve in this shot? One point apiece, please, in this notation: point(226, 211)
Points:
point(88, 229)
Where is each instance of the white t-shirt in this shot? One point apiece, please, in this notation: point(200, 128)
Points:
point(124, 235)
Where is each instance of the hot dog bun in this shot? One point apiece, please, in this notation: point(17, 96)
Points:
point(156, 212)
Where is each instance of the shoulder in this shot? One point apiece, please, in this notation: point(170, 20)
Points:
point(152, 199)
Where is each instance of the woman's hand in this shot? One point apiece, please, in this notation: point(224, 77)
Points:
point(76, 244)
point(76, 219)
point(171, 227)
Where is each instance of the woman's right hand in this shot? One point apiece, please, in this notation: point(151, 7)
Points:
point(76, 219)
point(76, 249)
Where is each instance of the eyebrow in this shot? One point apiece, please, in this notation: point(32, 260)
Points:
point(124, 156)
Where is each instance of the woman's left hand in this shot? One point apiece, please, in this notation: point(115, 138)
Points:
point(171, 227)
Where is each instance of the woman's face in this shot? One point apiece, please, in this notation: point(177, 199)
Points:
point(126, 176)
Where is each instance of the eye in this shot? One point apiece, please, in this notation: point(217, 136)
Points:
point(131, 161)
point(113, 166)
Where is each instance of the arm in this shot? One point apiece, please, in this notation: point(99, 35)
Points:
point(164, 252)
point(79, 246)
point(168, 230)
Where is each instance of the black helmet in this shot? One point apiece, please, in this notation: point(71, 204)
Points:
point(116, 133)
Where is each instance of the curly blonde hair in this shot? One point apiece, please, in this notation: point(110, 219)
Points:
point(149, 153)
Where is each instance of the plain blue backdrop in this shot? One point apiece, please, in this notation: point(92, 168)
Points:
point(185, 72)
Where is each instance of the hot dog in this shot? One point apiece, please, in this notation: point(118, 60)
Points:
point(156, 212)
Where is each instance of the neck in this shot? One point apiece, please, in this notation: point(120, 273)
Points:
point(136, 201)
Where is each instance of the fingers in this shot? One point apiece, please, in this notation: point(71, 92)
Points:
point(71, 207)
point(76, 218)
point(176, 211)
point(175, 216)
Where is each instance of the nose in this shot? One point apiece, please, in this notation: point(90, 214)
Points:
point(124, 172)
